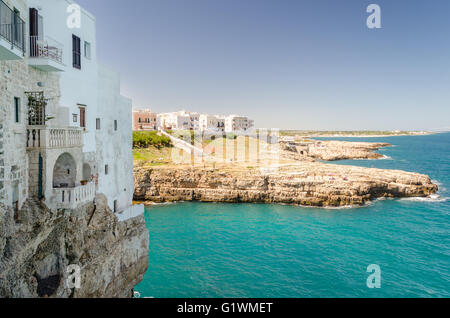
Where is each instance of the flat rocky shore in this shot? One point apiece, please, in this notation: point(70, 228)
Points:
point(302, 183)
point(332, 150)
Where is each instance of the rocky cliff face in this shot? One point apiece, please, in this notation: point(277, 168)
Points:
point(304, 183)
point(37, 245)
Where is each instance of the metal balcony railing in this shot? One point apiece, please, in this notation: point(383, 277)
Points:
point(12, 27)
point(45, 48)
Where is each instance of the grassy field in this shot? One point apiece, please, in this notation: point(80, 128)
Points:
point(151, 149)
point(241, 151)
point(153, 156)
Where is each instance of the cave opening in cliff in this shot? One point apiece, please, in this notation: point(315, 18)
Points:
point(47, 286)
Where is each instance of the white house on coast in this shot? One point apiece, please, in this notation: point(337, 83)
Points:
point(145, 119)
point(65, 130)
point(181, 120)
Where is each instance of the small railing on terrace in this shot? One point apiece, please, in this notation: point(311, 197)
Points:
point(45, 48)
point(12, 27)
point(73, 197)
point(53, 137)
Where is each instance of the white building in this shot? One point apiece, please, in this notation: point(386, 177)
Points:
point(212, 123)
point(65, 131)
point(236, 123)
point(181, 120)
point(184, 120)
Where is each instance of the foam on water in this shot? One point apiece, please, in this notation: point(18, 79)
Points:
point(431, 198)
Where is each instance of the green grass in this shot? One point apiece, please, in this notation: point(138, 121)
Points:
point(152, 155)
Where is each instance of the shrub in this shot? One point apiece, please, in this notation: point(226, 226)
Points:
point(145, 139)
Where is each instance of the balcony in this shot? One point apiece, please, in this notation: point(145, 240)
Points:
point(147, 127)
point(70, 198)
point(46, 54)
point(12, 34)
point(43, 137)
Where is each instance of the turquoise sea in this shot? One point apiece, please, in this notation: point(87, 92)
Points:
point(257, 250)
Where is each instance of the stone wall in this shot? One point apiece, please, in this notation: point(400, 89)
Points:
point(16, 78)
point(37, 245)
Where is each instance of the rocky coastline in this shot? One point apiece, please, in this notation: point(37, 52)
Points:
point(303, 183)
point(37, 245)
point(332, 150)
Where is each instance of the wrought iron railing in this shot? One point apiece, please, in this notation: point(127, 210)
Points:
point(12, 27)
point(45, 48)
point(36, 108)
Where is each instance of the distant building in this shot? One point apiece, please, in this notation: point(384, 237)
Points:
point(144, 119)
point(181, 120)
point(236, 123)
point(212, 123)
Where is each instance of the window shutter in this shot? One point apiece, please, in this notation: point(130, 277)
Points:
point(34, 31)
point(76, 48)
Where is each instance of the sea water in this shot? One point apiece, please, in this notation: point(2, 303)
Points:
point(265, 250)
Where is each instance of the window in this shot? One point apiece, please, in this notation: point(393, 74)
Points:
point(75, 118)
point(115, 206)
point(87, 50)
point(140, 120)
point(97, 124)
point(106, 169)
point(115, 124)
point(16, 109)
point(76, 49)
point(82, 116)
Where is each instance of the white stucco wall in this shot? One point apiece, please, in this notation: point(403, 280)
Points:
point(114, 147)
point(97, 88)
point(77, 86)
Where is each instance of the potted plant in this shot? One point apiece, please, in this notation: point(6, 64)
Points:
point(83, 182)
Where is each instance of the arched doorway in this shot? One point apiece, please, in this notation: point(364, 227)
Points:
point(87, 172)
point(64, 172)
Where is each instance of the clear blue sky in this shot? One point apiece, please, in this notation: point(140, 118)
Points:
point(303, 64)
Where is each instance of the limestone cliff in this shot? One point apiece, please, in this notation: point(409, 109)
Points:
point(304, 183)
point(37, 245)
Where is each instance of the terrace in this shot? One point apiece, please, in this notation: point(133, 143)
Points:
point(46, 54)
point(12, 34)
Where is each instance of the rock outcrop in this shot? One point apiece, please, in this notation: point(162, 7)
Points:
point(304, 183)
point(37, 245)
point(332, 150)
